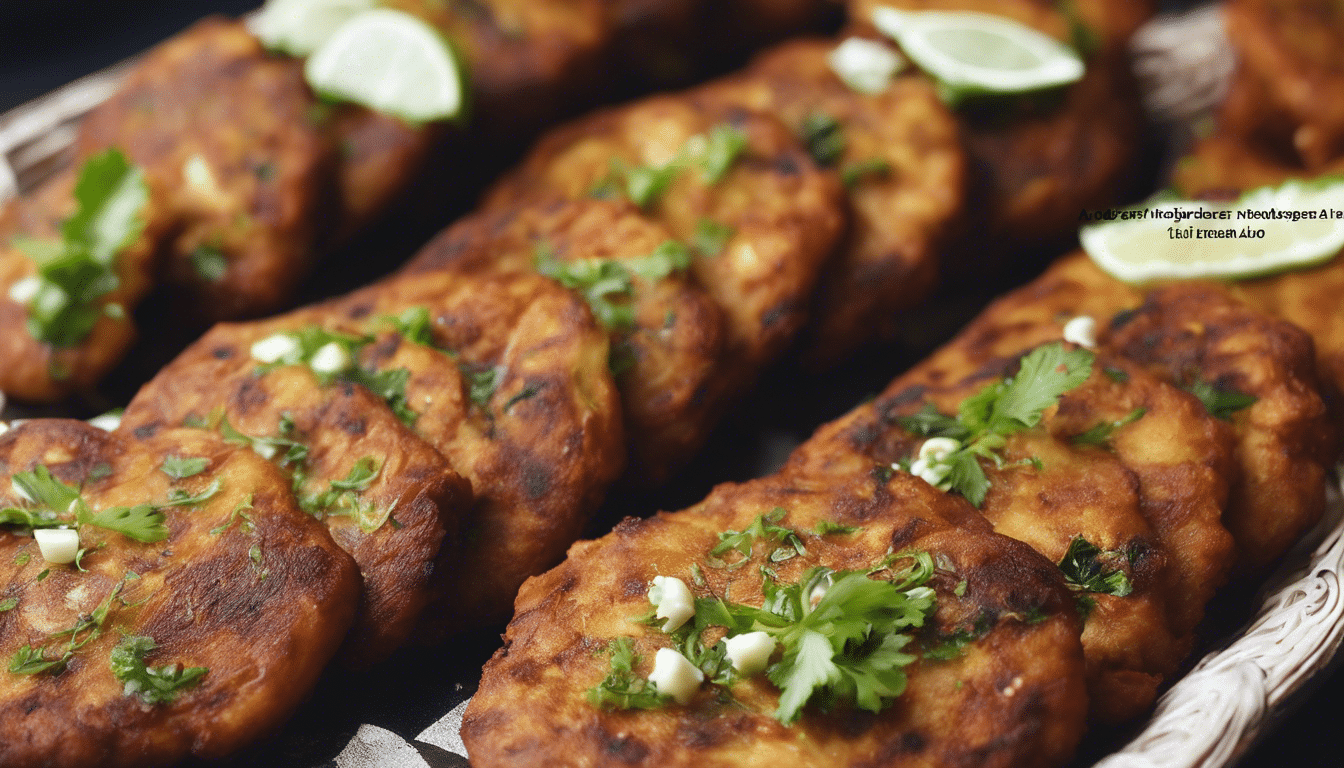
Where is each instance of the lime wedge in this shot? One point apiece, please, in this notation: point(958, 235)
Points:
point(298, 27)
point(1270, 229)
point(969, 53)
point(391, 62)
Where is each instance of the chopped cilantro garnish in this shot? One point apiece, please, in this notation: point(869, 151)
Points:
point(342, 497)
point(622, 688)
point(1089, 569)
point(854, 173)
point(413, 325)
point(178, 467)
point(765, 528)
point(720, 150)
point(209, 263)
point(1220, 403)
point(390, 385)
point(33, 659)
point(608, 284)
point(75, 272)
point(824, 138)
point(1101, 434)
point(713, 153)
point(9, 604)
point(711, 237)
point(826, 527)
point(154, 685)
point(1003, 408)
point(481, 384)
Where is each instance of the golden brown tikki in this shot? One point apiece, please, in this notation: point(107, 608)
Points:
point(1252, 370)
point(899, 154)
point(195, 608)
point(527, 59)
point(1287, 94)
point(225, 136)
point(667, 334)
point(408, 384)
point(1038, 158)
point(1094, 462)
point(842, 621)
point(75, 258)
point(726, 176)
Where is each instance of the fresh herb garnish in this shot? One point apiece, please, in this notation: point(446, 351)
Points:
point(388, 384)
point(33, 659)
point(764, 528)
point(853, 173)
point(413, 325)
point(209, 263)
point(1101, 433)
point(153, 685)
point(711, 237)
point(1089, 569)
point(607, 285)
point(826, 528)
point(986, 418)
point(824, 138)
point(342, 497)
point(178, 467)
point(80, 268)
point(9, 604)
point(718, 152)
point(482, 383)
point(1220, 403)
point(622, 688)
point(713, 153)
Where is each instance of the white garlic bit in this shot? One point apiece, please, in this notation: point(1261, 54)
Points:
point(935, 449)
point(23, 291)
point(750, 653)
point(1081, 330)
point(865, 65)
point(674, 675)
point(108, 422)
point(58, 545)
point(674, 601)
point(276, 348)
point(330, 358)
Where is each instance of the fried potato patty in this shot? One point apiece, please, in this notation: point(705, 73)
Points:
point(667, 334)
point(400, 524)
point(695, 167)
point(902, 211)
point(524, 408)
point(1151, 490)
point(1039, 158)
point(224, 134)
point(34, 370)
point(234, 612)
point(1287, 94)
point(526, 59)
point(1013, 696)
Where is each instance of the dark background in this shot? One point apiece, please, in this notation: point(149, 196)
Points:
point(46, 43)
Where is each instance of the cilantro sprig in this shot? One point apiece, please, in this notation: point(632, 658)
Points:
point(1087, 568)
point(622, 688)
point(984, 420)
point(76, 271)
point(1220, 402)
point(764, 528)
point(35, 659)
point(153, 685)
point(608, 285)
point(714, 153)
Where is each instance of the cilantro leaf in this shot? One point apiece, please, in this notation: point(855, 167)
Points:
point(764, 528)
point(824, 138)
point(9, 604)
point(388, 384)
point(154, 685)
point(178, 467)
point(853, 173)
point(1087, 568)
point(720, 151)
point(414, 325)
point(607, 285)
point(1220, 403)
point(45, 489)
point(928, 422)
point(622, 688)
point(1101, 433)
point(142, 522)
point(826, 527)
point(80, 269)
point(711, 237)
point(1045, 374)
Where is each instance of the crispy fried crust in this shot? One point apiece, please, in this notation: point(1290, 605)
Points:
point(1156, 490)
point(1287, 94)
point(262, 602)
point(900, 218)
point(670, 389)
point(36, 371)
point(786, 213)
point(224, 134)
point(1014, 698)
point(539, 452)
point(418, 501)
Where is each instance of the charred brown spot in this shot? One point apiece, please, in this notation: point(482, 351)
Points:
point(145, 431)
point(623, 748)
point(536, 478)
point(222, 353)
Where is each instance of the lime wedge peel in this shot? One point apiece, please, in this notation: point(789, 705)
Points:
point(970, 53)
point(391, 62)
point(299, 27)
point(1160, 247)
